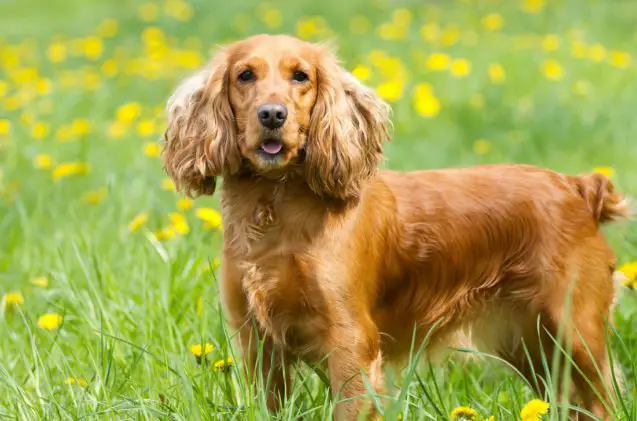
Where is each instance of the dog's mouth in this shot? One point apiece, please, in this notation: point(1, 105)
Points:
point(271, 147)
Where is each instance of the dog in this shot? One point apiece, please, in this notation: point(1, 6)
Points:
point(328, 258)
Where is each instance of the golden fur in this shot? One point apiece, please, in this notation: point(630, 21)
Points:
point(336, 260)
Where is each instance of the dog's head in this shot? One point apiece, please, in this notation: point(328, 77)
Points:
point(273, 104)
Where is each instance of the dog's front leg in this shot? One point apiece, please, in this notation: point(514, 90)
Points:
point(355, 369)
point(265, 364)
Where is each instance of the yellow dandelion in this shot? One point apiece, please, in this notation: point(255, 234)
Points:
point(63, 133)
point(5, 127)
point(50, 321)
point(493, 22)
point(110, 68)
point(108, 28)
point(39, 130)
point(43, 161)
point(629, 270)
point(43, 86)
point(550, 42)
point(68, 169)
point(92, 47)
point(76, 380)
point(596, 53)
point(209, 216)
point(620, 59)
point(137, 222)
point(148, 12)
point(438, 61)
point(179, 10)
point(166, 233)
point(95, 197)
point(13, 298)
point(463, 412)
point(128, 112)
point(460, 68)
point(184, 204)
point(496, 73)
point(152, 149)
point(533, 6)
point(201, 351)
point(117, 129)
point(534, 410)
point(581, 87)
point(430, 32)
point(146, 128)
point(425, 102)
point(80, 127)
point(578, 49)
point(605, 171)
point(272, 18)
point(359, 25)
point(552, 70)
point(481, 146)
point(450, 36)
point(56, 52)
point(224, 365)
point(391, 90)
point(491, 418)
point(40, 281)
point(362, 72)
point(179, 223)
point(167, 184)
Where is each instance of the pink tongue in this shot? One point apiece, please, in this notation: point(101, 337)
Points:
point(272, 147)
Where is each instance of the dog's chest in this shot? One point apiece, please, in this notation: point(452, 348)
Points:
point(288, 304)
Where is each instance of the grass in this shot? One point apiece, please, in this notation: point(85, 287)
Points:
point(133, 302)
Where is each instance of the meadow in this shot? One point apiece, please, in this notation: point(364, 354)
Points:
point(108, 276)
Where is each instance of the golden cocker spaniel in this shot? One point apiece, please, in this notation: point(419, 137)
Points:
point(339, 261)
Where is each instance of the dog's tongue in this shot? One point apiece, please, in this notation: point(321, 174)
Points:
point(272, 147)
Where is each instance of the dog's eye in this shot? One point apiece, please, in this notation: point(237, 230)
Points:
point(300, 76)
point(247, 76)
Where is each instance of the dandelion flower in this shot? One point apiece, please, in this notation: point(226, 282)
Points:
point(167, 184)
point(209, 215)
point(425, 102)
point(108, 28)
point(80, 127)
point(460, 68)
point(184, 204)
point(361, 72)
point(39, 130)
point(167, 233)
point(40, 281)
point(481, 146)
point(620, 59)
point(272, 18)
point(69, 169)
point(93, 47)
point(56, 52)
point(550, 42)
point(596, 53)
point(463, 412)
point(152, 149)
point(492, 22)
point(137, 222)
point(179, 223)
point(552, 70)
point(76, 380)
point(533, 6)
point(438, 61)
point(43, 161)
point(146, 128)
point(430, 32)
point(94, 197)
point(201, 351)
point(224, 365)
point(608, 172)
point(128, 112)
point(629, 271)
point(391, 90)
point(534, 410)
point(13, 298)
point(50, 321)
point(5, 126)
point(496, 73)
point(117, 129)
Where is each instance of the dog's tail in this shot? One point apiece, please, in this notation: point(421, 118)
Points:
point(604, 204)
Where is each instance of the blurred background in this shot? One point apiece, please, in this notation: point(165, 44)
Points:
point(108, 275)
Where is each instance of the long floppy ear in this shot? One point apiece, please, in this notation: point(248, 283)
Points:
point(348, 125)
point(199, 143)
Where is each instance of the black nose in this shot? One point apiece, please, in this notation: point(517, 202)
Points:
point(272, 116)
